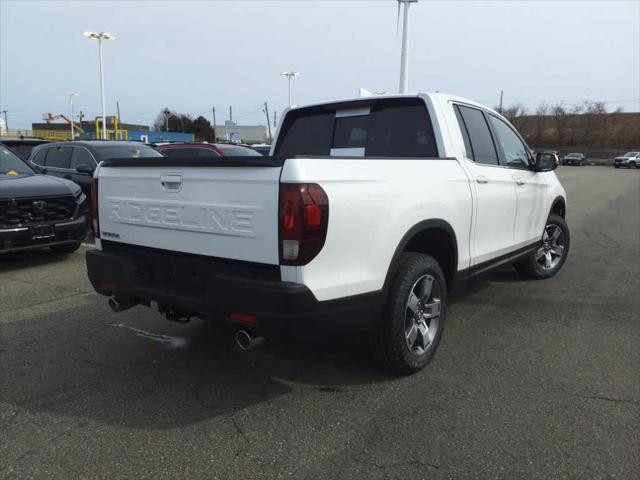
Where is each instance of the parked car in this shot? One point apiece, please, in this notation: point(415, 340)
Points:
point(76, 160)
point(363, 220)
point(205, 150)
point(38, 211)
point(262, 148)
point(22, 146)
point(629, 160)
point(577, 159)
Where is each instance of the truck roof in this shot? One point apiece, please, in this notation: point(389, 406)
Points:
point(442, 96)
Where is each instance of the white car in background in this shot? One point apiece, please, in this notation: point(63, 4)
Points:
point(629, 160)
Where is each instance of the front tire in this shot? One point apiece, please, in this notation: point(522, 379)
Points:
point(548, 259)
point(633, 165)
point(414, 315)
point(67, 248)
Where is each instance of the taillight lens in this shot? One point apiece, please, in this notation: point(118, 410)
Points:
point(95, 225)
point(304, 217)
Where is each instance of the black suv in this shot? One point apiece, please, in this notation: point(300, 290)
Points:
point(38, 211)
point(76, 161)
point(22, 146)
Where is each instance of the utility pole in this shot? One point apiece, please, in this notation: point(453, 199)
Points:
point(6, 122)
point(500, 109)
point(230, 113)
point(266, 111)
point(71, 95)
point(275, 123)
point(213, 110)
point(166, 119)
point(118, 110)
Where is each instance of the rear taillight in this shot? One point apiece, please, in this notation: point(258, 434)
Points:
point(95, 225)
point(304, 217)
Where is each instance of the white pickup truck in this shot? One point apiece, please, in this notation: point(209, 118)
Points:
point(365, 216)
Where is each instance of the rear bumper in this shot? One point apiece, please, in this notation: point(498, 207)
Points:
point(24, 238)
point(212, 289)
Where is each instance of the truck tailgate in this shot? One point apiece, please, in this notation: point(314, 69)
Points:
point(218, 211)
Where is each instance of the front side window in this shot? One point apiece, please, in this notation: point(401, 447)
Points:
point(81, 156)
point(482, 147)
point(39, 157)
point(381, 128)
point(515, 152)
point(58, 157)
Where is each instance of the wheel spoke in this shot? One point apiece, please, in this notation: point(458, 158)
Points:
point(425, 289)
point(412, 334)
point(412, 304)
point(540, 253)
point(547, 259)
point(558, 250)
point(556, 234)
point(545, 235)
point(424, 334)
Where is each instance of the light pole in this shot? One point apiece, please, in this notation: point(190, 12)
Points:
point(71, 95)
point(99, 36)
point(404, 54)
point(290, 75)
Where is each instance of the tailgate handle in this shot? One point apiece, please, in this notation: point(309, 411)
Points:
point(171, 182)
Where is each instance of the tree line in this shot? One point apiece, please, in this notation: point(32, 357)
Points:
point(585, 127)
point(170, 121)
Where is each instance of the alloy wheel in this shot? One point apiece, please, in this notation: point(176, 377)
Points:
point(422, 314)
point(552, 249)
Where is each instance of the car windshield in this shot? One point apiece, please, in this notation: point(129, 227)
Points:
point(630, 154)
point(11, 165)
point(125, 151)
point(574, 155)
point(237, 151)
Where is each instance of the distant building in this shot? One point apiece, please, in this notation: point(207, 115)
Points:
point(233, 132)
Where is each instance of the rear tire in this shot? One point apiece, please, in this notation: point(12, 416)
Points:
point(548, 259)
point(66, 249)
point(414, 315)
point(632, 165)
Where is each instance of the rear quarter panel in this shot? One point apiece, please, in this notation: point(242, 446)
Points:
point(372, 204)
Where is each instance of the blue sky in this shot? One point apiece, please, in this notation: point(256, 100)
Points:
point(192, 55)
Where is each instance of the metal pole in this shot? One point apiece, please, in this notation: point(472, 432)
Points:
point(214, 123)
point(6, 122)
point(104, 108)
point(289, 76)
point(230, 113)
point(275, 123)
point(266, 111)
point(501, 93)
point(404, 56)
point(73, 137)
point(166, 119)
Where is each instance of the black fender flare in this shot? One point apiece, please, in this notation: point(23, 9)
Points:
point(431, 224)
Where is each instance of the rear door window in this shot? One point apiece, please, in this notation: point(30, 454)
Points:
point(382, 128)
point(482, 147)
point(58, 157)
point(39, 157)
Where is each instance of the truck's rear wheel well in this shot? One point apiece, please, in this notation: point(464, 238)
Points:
point(559, 207)
point(440, 245)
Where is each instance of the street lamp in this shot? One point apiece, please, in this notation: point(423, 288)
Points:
point(290, 75)
point(99, 37)
point(71, 95)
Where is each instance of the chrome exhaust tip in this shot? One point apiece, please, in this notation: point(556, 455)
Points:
point(118, 306)
point(245, 341)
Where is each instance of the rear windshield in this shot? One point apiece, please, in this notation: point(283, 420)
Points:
point(105, 152)
point(11, 165)
point(574, 155)
point(380, 128)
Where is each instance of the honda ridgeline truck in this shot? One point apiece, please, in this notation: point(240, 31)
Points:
point(363, 218)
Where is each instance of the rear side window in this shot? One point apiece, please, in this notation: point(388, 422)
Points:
point(391, 128)
point(58, 157)
point(483, 149)
point(39, 156)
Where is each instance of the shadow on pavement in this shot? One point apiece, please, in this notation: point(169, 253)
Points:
point(11, 262)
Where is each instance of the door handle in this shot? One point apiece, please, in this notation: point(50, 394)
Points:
point(482, 179)
point(520, 182)
point(171, 182)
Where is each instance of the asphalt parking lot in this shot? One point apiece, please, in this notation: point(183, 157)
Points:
point(532, 379)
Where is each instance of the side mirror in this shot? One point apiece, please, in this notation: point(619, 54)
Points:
point(545, 162)
point(83, 168)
